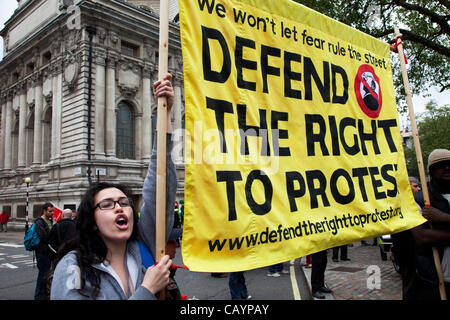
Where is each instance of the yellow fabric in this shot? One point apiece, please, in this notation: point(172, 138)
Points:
point(330, 182)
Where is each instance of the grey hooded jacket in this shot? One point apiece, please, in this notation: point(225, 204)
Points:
point(66, 277)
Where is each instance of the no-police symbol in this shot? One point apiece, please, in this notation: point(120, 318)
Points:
point(368, 91)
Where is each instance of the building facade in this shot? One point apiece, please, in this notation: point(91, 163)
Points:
point(57, 55)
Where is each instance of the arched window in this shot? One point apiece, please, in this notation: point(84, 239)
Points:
point(125, 131)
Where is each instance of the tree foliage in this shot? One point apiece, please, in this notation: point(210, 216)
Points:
point(434, 133)
point(424, 25)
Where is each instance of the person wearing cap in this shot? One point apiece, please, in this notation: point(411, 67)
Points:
point(438, 213)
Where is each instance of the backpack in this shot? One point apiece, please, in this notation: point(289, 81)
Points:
point(146, 255)
point(31, 239)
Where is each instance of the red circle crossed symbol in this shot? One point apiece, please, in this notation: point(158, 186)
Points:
point(368, 91)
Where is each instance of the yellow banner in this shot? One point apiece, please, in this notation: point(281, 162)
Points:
point(292, 135)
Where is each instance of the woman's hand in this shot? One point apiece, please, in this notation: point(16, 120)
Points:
point(163, 88)
point(157, 277)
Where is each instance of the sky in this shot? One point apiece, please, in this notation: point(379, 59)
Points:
point(7, 8)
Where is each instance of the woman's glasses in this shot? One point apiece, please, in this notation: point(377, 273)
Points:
point(108, 204)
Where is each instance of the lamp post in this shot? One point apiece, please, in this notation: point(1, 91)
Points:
point(91, 32)
point(27, 180)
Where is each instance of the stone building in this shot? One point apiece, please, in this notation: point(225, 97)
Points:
point(44, 99)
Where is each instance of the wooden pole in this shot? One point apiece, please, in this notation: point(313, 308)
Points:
point(423, 181)
point(161, 127)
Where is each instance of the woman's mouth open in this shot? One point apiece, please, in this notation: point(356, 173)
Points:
point(122, 222)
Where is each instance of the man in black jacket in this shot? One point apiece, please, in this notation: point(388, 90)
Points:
point(61, 232)
point(439, 214)
point(43, 227)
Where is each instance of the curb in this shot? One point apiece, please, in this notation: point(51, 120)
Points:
point(305, 285)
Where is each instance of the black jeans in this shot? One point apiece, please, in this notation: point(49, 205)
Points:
point(343, 252)
point(238, 289)
point(319, 264)
point(43, 264)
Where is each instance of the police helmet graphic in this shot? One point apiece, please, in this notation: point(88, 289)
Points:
point(368, 91)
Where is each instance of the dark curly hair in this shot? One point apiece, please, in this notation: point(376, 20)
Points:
point(89, 246)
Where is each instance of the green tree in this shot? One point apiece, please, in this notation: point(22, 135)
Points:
point(433, 126)
point(424, 25)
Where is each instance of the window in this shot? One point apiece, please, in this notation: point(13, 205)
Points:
point(46, 58)
point(72, 207)
point(21, 211)
point(7, 209)
point(125, 132)
point(129, 49)
point(37, 210)
point(30, 68)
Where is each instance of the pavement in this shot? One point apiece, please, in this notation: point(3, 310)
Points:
point(365, 277)
point(12, 236)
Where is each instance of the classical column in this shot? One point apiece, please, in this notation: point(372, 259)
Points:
point(146, 114)
point(8, 128)
point(59, 85)
point(56, 109)
point(3, 124)
point(38, 97)
point(100, 91)
point(54, 118)
point(22, 119)
point(111, 106)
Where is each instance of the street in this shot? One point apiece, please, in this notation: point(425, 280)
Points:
point(17, 274)
point(18, 277)
point(365, 277)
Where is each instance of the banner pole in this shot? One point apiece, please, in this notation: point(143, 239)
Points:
point(161, 127)
point(420, 165)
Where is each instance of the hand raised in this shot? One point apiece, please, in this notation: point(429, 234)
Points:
point(157, 276)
